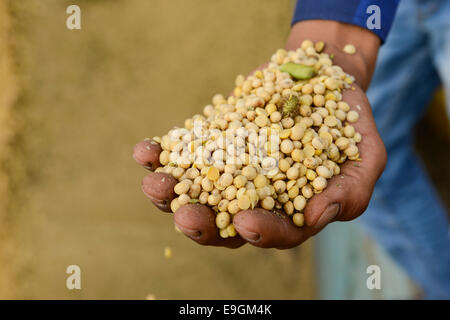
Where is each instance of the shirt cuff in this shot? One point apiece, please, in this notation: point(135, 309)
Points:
point(374, 15)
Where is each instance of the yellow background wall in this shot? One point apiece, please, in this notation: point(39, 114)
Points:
point(135, 69)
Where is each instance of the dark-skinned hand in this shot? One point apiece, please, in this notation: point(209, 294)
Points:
point(345, 198)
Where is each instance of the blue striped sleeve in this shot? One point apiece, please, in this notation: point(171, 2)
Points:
point(374, 15)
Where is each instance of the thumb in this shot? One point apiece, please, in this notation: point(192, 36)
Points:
point(345, 198)
point(347, 194)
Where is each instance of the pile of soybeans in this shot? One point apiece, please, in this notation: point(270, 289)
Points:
point(273, 144)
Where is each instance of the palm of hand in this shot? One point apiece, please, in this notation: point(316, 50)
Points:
point(345, 198)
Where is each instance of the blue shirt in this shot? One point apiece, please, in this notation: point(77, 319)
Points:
point(374, 15)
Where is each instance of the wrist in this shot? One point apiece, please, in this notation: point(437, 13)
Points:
point(336, 35)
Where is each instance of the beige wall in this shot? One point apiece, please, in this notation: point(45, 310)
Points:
point(135, 69)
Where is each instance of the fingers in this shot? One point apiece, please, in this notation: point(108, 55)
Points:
point(348, 194)
point(159, 188)
point(198, 222)
point(267, 229)
point(146, 153)
point(195, 221)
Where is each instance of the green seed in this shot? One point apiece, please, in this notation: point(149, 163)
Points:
point(290, 107)
point(299, 71)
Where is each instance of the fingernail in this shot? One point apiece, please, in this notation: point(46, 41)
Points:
point(249, 235)
point(148, 195)
point(328, 215)
point(253, 236)
point(163, 206)
point(193, 234)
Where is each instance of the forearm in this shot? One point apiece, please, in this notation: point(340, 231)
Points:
point(336, 35)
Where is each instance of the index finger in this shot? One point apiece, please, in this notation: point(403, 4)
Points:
point(146, 153)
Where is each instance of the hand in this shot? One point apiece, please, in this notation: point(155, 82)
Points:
point(345, 198)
